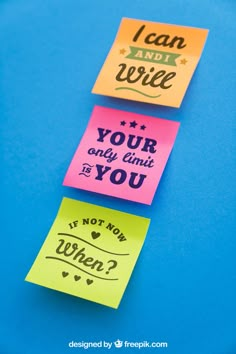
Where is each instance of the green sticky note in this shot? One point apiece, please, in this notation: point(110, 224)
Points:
point(90, 252)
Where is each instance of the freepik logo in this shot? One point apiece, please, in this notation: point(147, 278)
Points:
point(140, 345)
point(118, 343)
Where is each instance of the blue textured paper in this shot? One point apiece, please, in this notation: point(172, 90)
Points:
point(183, 288)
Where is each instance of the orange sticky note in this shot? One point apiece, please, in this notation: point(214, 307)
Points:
point(151, 62)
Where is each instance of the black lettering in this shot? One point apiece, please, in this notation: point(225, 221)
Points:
point(180, 41)
point(149, 145)
point(138, 33)
point(132, 180)
point(167, 78)
point(116, 179)
point(101, 172)
point(130, 143)
point(67, 248)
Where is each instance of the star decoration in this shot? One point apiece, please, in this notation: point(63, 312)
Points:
point(122, 123)
point(133, 124)
point(122, 51)
point(143, 127)
point(183, 61)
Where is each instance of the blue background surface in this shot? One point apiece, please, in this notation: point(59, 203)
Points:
point(183, 287)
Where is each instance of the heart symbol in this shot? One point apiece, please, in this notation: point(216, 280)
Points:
point(64, 274)
point(77, 277)
point(89, 281)
point(95, 234)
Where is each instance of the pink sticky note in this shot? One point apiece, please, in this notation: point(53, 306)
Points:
point(122, 154)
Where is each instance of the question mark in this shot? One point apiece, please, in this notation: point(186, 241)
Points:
point(114, 264)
